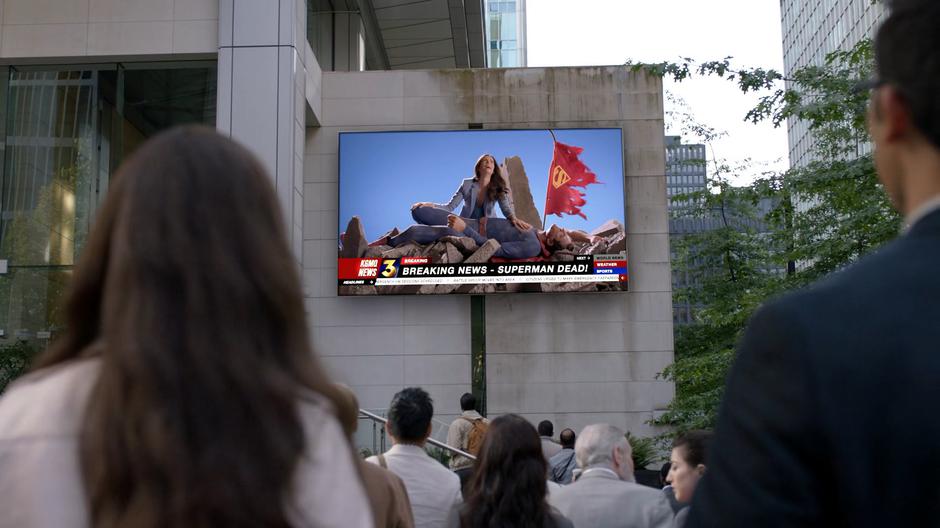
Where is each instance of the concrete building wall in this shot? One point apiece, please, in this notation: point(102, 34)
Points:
point(53, 29)
point(263, 55)
point(575, 359)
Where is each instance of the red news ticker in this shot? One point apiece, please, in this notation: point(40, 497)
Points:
point(610, 264)
point(411, 261)
point(354, 268)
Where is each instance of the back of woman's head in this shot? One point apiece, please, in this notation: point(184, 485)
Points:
point(508, 485)
point(188, 293)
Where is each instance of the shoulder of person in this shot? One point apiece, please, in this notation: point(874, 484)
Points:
point(647, 493)
point(875, 276)
point(560, 520)
point(681, 517)
point(373, 472)
point(48, 402)
point(316, 411)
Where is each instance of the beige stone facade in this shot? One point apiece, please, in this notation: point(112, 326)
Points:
point(575, 359)
point(572, 358)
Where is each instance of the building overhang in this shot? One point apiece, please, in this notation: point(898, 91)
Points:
point(417, 34)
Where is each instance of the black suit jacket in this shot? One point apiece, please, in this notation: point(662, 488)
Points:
point(831, 416)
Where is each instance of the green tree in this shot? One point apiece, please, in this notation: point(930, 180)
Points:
point(824, 216)
point(14, 360)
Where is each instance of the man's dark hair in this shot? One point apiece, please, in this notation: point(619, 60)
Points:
point(468, 402)
point(409, 414)
point(567, 439)
point(694, 446)
point(664, 474)
point(554, 245)
point(907, 56)
point(546, 428)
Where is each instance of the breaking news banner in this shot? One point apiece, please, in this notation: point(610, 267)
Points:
point(481, 211)
point(583, 270)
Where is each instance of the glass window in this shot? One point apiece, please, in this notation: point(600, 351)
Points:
point(65, 131)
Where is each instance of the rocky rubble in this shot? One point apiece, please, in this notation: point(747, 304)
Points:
point(611, 239)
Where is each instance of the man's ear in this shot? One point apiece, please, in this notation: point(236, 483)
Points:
point(618, 457)
point(893, 113)
point(430, 430)
point(388, 428)
point(700, 469)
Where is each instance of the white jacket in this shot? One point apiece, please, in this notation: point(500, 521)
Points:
point(41, 483)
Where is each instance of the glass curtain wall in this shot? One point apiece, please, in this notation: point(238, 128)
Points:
point(63, 132)
point(505, 33)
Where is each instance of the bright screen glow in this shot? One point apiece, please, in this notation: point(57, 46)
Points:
point(413, 219)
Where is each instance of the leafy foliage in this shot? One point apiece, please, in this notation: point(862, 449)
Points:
point(14, 360)
point(441, 455)
point(645, 452)
point(783, 231)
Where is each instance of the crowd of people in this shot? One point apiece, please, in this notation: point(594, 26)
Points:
point(515, 475)
point(184, 391)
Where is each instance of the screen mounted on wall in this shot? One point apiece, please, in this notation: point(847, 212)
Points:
point(481, 211)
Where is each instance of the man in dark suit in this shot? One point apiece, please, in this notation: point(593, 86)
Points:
point(830, 414)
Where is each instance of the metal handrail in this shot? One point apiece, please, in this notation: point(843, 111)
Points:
point(442, 445)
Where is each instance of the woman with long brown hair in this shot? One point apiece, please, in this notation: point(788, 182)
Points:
point(479, 196)
point(184, 391)
point(508, 486)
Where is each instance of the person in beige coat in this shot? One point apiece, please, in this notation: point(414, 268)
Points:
point(391, 507)
point(604, 495)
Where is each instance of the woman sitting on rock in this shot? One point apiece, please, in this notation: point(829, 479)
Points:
point(478, 194)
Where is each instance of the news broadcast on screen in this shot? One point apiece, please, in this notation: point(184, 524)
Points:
point(481, 211)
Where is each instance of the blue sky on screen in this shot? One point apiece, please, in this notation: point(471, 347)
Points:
point(382, 173)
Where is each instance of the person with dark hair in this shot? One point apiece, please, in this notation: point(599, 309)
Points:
point(184, 391)
point(433, 490)
point(687, 465)
point(466, 433)
point(549, 447)
point(508, 488)
point(478, 194)
point(605, 494)
point(834, 388)
point(386, 491)
point(562, 464)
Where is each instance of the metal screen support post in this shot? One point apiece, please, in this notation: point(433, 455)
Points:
point(478, 351)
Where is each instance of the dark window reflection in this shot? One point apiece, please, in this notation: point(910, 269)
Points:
point(64, 132)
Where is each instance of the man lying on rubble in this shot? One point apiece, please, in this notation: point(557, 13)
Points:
point(514, 244)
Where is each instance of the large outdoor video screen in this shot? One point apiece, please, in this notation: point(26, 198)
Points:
point(481, 211)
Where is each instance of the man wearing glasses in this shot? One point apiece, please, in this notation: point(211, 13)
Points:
point(830, 416)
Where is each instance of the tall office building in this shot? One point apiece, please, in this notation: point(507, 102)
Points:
point(685, 173)
point(811, 30)
point(505, 33)
point(685, 167)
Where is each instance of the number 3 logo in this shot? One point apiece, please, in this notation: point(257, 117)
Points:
point(389, 269)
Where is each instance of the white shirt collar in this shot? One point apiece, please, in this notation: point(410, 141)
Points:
point(600, 471)
point(407, 449)
point(922, 210)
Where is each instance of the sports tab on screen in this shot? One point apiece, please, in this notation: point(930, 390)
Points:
point(481, 211)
